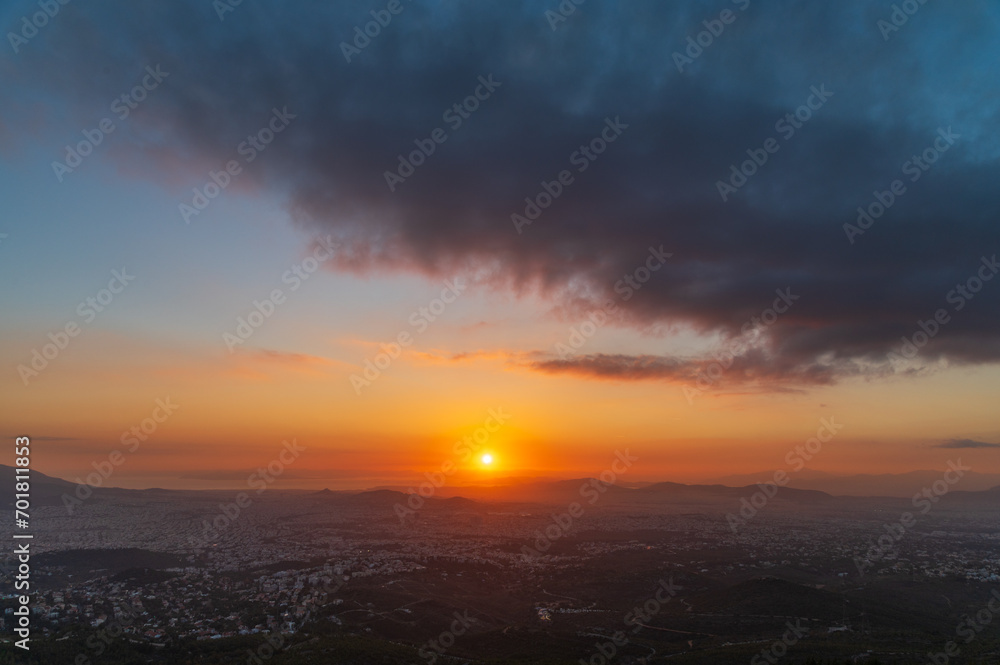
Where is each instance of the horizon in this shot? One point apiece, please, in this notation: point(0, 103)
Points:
point(806, 476)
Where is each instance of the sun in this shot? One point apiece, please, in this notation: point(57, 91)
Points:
point(487, 459)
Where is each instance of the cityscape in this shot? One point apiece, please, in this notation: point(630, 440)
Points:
point(311, 576)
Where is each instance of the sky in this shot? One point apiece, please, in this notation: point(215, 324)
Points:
point(406, 234)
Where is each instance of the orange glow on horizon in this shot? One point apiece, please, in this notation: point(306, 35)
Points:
point(226, 426)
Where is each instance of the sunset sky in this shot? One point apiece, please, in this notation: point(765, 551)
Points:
point(543, 328)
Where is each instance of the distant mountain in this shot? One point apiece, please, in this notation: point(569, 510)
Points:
point(886, 484)
point(459, 503)
point(990, 497)
point(695, 493)
point(45, 490)
point(806, 487)
point(554, 491)
point(375, 498)
point(495, 484)
point(7, 474)
point(387, 499)
point(583, 490)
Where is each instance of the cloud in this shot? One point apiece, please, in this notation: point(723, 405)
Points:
point(439, 356)
point(966, 443)
point(621, 367)
point(752, 368)
point(655, 185)
point(299, 361)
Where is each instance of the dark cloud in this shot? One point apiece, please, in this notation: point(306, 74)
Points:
point(756, 367)
point(655, 185)
point(967, 443)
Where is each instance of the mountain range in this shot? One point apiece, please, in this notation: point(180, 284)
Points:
point(806, 487)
